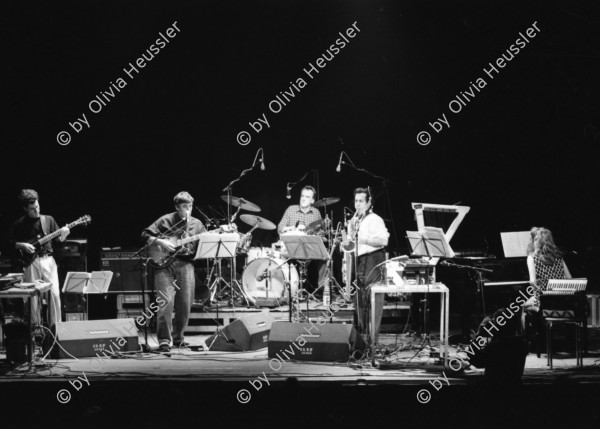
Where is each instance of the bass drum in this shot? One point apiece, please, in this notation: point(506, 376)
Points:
point(255, 253)
point(275, 281)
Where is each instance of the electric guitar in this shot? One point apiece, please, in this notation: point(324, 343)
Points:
point(28, 258)
point(160, 257)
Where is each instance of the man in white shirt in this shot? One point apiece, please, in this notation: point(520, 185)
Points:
point(371, 235)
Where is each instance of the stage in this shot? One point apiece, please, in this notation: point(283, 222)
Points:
point(237, 388)
point(473, 126)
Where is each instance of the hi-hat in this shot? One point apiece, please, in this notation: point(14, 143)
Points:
point(258, 221)
point(314, 226)
point(240, 202)
point(326, 202)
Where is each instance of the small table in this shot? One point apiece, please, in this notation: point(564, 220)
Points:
point(28, 291)
point(434, 288)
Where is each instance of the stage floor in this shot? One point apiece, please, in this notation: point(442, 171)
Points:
point(233, 389)
point(403, 359)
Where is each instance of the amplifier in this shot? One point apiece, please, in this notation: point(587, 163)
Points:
point(88, 338)
point(329, 342)
point(120, 254)
point(127, 273)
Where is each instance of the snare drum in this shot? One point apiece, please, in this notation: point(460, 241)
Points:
point(294, 231)
point(258, 252)
point(243, 244)
point(273, 285)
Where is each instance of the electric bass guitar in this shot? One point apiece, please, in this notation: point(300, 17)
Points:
point(27, 258)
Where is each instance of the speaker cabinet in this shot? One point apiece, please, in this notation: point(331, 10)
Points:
point(329, 342)
point(247, 333)
point(96, 337)
point(127, 275)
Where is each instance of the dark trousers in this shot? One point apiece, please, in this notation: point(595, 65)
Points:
point(366, 276)
point(317, 274)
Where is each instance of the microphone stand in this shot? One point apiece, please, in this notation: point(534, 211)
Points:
point(384, 182)
point(479, 271)
point(231, 219)
point(292, 184)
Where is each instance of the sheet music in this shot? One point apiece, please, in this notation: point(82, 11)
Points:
point(515, 244)
point(82, 282)
point(208, 245)
point(436, 235)
point(99, 282)
point(435, 240)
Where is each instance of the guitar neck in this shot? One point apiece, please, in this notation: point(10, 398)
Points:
point(55, 234)
point(182, 241)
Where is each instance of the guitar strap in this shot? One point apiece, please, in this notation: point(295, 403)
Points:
point(43, 223)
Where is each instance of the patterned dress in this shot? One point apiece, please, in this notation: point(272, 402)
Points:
point(545, 272)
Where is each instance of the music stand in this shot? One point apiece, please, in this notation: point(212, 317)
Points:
point(86, 283)
point(431, 243)
point(304, 248)
point(217, 246)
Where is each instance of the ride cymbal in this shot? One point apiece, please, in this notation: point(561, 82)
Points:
point(240, 202)
point(314, 226)
point(326, 202)
point(260, 222)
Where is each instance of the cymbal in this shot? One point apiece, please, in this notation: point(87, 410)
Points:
point(326, 201)
point(261, 222)
point(314, 226)
point(240, 202)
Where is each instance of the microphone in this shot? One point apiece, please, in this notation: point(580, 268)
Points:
point(339, 166)
point(347, 213)
point(262, 161)
point(287, 195)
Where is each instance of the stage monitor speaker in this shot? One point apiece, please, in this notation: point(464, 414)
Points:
point(127, 275)
point(88, 338)
point(247, 333)
point(330, 342)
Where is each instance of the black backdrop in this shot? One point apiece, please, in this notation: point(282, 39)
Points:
point(523, 152)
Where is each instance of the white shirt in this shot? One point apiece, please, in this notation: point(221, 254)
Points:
point(372, 226)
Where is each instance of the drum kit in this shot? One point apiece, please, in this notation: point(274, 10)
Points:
point(267, 271)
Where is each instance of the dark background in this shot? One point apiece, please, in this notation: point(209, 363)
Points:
point(523, 153)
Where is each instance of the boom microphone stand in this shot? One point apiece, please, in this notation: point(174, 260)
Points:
point(231, 219)
point(384, 181)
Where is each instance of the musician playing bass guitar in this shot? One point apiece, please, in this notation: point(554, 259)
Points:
point(41, 264)
point(179, 274)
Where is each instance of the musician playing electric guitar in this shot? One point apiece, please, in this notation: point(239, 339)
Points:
point(179, 274)
point(27, 229)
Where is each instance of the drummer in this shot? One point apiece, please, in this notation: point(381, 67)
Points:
point(299, 216)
